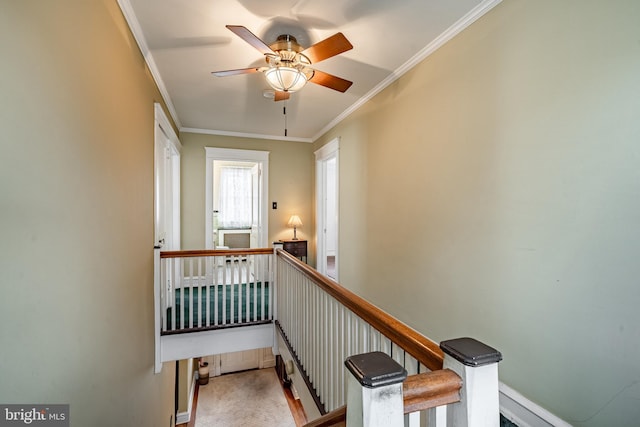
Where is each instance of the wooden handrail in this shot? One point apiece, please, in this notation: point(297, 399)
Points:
point(417, 345)
point(337, 417)
point(215, 252)
point(430, 389)
point(419, 392)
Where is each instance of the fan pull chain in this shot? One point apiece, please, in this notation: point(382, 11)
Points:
point(284, 111)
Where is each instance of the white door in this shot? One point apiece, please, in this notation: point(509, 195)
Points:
point(261, 182)
point(239, 361)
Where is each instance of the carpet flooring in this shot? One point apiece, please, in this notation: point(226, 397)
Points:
point(245, 399)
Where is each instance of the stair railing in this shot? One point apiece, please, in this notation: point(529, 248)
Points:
point(323, 324)
point(208, 289)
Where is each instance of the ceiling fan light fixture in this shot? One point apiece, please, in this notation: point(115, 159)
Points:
point(289, 65)
point(286, 79)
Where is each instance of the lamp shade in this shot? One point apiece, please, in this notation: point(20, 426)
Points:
point(294, 221)
point(285, 79)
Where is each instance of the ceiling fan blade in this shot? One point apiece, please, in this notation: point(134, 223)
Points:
point(332, 82)
point(327, 48)
point(281, 96)
point(226, 73)
point(251, 38)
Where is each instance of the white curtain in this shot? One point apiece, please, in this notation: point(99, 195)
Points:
point(235, 197)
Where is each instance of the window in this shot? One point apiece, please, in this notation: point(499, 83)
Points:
point(235, 204)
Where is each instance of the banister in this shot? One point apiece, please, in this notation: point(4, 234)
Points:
point(417, 345)
point(420, 392)
point(337, 417)
point(431, 389)
point(215, 252)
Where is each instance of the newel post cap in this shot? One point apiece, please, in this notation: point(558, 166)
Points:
point(375, 369)
point(471, 352)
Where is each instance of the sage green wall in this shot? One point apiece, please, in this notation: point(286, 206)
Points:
point(290, 184)
point(494, 192)
point(76, 203)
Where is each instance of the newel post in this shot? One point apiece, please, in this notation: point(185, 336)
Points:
point(477, 364)
point(374, 391)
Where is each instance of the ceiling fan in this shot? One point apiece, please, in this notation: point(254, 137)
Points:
point(288, 66)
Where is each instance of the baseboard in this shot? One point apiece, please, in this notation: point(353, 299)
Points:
point(525, 413)
point(185, 417)
point(300, 386)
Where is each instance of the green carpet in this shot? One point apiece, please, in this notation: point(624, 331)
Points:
point(504, 422)
point(199, 298)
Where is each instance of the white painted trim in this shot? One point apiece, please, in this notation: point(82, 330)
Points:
point(185, 417)
point(214, 153)
point(331, 149)
point(157, 315)
point(245, 135)
point(473, 15)
point(303, 394)
point(138, 35)
point(525, 413)
point(228, 340)
point(328, 149)
point(166, 127)
point(162, 126)
point(234, 154)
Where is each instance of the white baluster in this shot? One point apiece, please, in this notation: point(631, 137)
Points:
point(199, 285)
point(164, 290)
point(437, 417)
point(190, 293)
point(216, 290)
point(249, 297)
point(207, 290)
point(224, 294)
point(174, 280)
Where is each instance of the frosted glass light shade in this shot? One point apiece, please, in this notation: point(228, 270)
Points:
point(285, 79)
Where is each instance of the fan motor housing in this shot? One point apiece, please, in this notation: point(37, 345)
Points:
point(286, 42)
point(288, 53)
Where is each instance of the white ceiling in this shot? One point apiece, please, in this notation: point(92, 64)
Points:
point(185, 40)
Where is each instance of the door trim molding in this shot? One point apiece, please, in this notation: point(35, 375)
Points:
point(232, 154)
point(167, 161)
point(324, 153)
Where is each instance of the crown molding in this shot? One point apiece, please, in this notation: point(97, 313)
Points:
point(244, 135)
point(476, 13)
point(460, 25)
point(136, 30)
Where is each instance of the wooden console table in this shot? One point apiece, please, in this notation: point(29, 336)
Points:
point(297, 248)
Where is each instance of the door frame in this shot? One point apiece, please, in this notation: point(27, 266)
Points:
point(166, 171)
point(236, 155)
point(327, 152)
